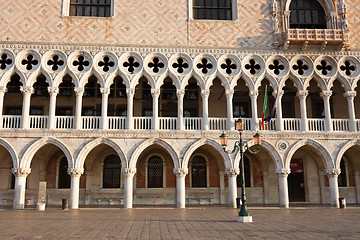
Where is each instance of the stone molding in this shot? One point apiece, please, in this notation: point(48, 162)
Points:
point(21, 172)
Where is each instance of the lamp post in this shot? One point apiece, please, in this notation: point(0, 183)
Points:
point(241, 146)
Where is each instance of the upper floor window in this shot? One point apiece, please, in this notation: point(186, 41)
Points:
point(90, 8)
point(213, 9)
point(308, 14)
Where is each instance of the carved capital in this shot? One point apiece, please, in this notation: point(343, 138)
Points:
point(332, 172)
point(350, 94)
point(302, 94)
point(26, 89)
point(181, 172)
point(75, 172)
point(105, 91)
point(53, 90)
point(180, 93)
point(79, 91)
point(128, 172)
point(232, 172)
point(254, 93)
point(21, 172)
point(3, 89)
point(205, 92)
point(130, 92)
point(155, 92)
point(326, 94)
point(281, 93)
point(284, 172)
point(229, 93)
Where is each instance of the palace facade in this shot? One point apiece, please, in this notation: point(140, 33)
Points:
point(122, 102)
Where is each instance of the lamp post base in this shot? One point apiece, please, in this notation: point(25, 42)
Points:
point(244, 219)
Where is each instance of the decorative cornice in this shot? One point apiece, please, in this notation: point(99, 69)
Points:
point(21, 172)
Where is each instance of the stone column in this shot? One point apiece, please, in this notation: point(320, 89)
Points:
point(222, 186)
point(333, 184)
point(75, 174)
point(357, 185)
point(128, 188)
point(302, 97)
point(229, 99)
point(53, 92)
point(326, 97)
point(322, 186)
point(180, 96)
point(205, 109)
point(180, 186)
point(279, 120)
point(20, 185)
point(104, 107)
point(232, 174)
point(130, 92)
point(79, 91)
point(350, 95)
point(253, 95)
point(155, 94)
point(26, 91)
point(283, 187)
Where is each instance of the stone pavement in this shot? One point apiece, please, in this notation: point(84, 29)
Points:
point(170, 223)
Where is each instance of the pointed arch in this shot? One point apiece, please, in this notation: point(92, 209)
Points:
point(28, 152)
point(327, 5)
point(5, 79)
point(147, 143)
point(343, 80)
point(297, 83)
point(11, 151)
point(173, 78)
point(60, 77)
point(150, 79)
point(88, 146)
point(248, 83)
point(34, 76)
point(192, 147)
point(316, 146)
point(320, 82)
point(197, 78)
point(223, 80)
point(347, 146)
point(85, 78)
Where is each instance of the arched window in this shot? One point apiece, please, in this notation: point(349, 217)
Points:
point(342, 178)
point(307, 14)
point(112, 172)
point(247, 173)
point(64, 179)
point(198, 172)
point(155, 172)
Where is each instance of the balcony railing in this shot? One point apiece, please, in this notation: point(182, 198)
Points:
point(332, 35)
point(64, 122)
point(217, 123)
point(116, 123)
point(316, 124)
point(340, 125)
point(143, 123)
point(268, 126)
point(292, 124)
point(91, 122)
point(11, 122)
point(168, 123)
point(192, 123)
point(40, 122)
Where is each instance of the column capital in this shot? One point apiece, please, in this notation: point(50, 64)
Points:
point(180, 93)
point(205, 92)
point(155, 92)
point(3, 89)
point(53, 90)
point(302, 94)
point(326, 94)
point(128, 172)
point(229, 93)
point(332, 172)
point(283, 172)
point(75, 172)
point(27, 89)
point(232, 172)
point(281, 93)
point(349, 94)
point(105, 91)
point(130, 91)
point(79, 91)
point(21, 172)
point(180, 172)
point(254, 93)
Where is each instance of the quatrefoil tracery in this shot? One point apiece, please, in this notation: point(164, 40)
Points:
point(180, 65)
point(252, 66)
point(300, 67)
point(131, 64)
point(347, 68)
point(29, 62)
point(81, 63)
point(229, 66)
point(204, 66)
point(55, 62)
point(106, 63)
point(156, 65)
point(4, 61)
point(276, 66)
point(324, 67)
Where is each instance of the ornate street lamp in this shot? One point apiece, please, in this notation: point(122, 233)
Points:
point(241, 145)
